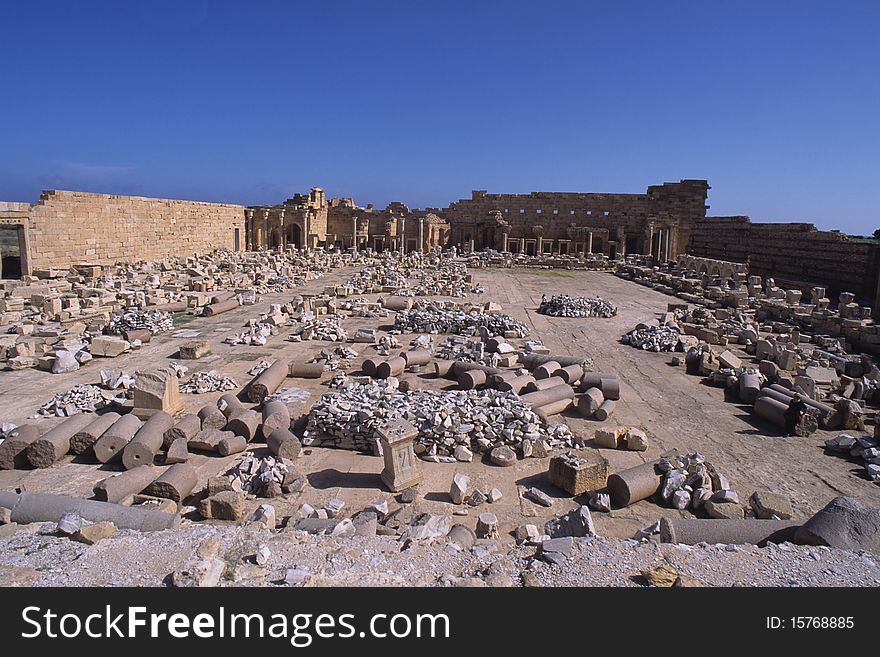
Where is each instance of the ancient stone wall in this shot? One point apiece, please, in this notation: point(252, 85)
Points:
point(67, 228)
point(795, 253)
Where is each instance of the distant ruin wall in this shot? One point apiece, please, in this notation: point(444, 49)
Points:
point(67, 228)
point(793, 252)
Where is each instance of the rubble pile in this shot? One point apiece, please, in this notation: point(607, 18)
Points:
point(81, 398)
point(460, 348)
point(690, 481)
point(435, 319)
point(253, 335)
point(478, 419)
point(154, 321)
point(653, 338)
point(263, 477)
point(327, 328)
point(864, 448)
point(335, 359)
point(563, 305)
point(208, 381)
point(386, 344)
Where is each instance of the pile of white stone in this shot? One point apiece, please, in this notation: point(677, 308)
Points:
point(434, 319)
point(562, 305)
point(478, 419)
point(460, 348)
point(327, 327)
point(208, 381)
point(866, 448)
point(335, 359)
point(690, 481)
point(263, 477)
point(253, 335)
point(653, 338)
point(81, 398)
point(154, 321)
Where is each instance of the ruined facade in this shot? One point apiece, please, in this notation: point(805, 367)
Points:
point(796, 255)
point(656, 223)
point(311, 220)
point(69, 228)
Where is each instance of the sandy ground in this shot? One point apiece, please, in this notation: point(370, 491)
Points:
point(676, 410)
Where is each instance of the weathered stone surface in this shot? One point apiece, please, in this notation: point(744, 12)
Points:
point(228, 505)
point(578, 522)
point(768, 505)
point(459, 490)
point(845, 523)
point(91, 534)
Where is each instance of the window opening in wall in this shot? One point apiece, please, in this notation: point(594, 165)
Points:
point(522, 210)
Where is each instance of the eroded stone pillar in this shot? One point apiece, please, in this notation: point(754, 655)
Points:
point(354, 233)
point(651, 240)
point(421, 234)
point(590, 242)
point(505, 236)
point(402, 235)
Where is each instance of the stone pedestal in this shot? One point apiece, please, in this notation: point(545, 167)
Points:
point(156, 390)
point(579, 472)
point(401, 471)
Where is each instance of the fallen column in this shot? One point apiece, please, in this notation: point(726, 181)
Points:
point(749, 387)
point(589, 402)
point(42, 507)
point(531, 361)
point(391, 367)
point(546, 370)
point(13, 450)
point(245, 424)
point(276, 415)
point(417, 356)
point(284, 444)
point(175, 484)
point(553, 408)
point(517, 384)
point(186, 427)
point(727, 531)
point(83, 440)
point(120, 486)
point(570, 374)
point(443, 369)
point(605, 410)
point(609, 384)
point(544, 384)
point(306, 370)
point(55, 443)
point(471, 379)
point(211, 417)
point(634, 484)
point(397, 303)
point(771, 410)
point(221, 307)
point(231, 445)
point(147, 442)
point(268, 381)
point(110, 445)
point(544, 397)
point(230, 405)
point(369, 366)
point(173, 307)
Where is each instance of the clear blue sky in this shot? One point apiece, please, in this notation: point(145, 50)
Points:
point(775, 103)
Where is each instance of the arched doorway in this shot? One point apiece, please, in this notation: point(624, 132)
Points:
point(275, 238)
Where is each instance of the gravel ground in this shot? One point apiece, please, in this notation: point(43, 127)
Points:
point(34, 556)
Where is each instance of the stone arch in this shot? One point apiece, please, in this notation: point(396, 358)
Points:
point(295, 235)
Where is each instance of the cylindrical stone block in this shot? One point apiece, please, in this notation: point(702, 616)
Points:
point(268, 381)
point(494, 342)
point(544, 397)
point(130, 482)
point(591, 380)
point(246, 424)
point(369, 366)
point(546, 370)
point(443, 368)
point(391, 367)
point(55, 443)
point(397, 303)
point(211, 417)
point(749, 387)
point(571, 374)
point(504, 375)
point(176, 483)
point(222, 307)
point(147, 441)
point(172, 307)
point(275, 416)
point(605, 410)
point(634, 484)
point(729, 532)
point(589, 402)
point(553, 408)
point(517, 384)
point(531, 361)
point(771, 410)
point(13, 450)
point(417, 356)
point(284, 444)
point(472, 379)
point(82, 441)
point(610, 387)
point(230, 405)
point(110, 445)
point(42, 507)
point(544, 384)
point(186, 427)
point(306, 370)
point(231, 445)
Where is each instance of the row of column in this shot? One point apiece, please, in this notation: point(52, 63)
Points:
point(522, 245)
point(401, 237)
point(664, 241)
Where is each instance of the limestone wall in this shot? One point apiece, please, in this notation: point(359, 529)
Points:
point(792, 252)
point(67, 228)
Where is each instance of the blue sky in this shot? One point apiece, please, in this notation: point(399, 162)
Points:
point(775, 103)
